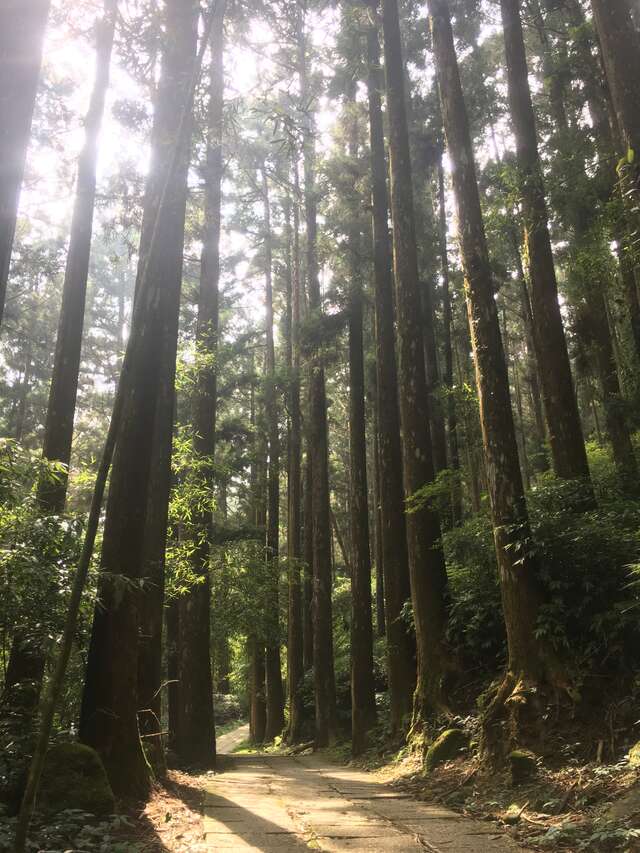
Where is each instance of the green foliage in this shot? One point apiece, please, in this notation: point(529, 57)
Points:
point(38, 553)
point(590, 568)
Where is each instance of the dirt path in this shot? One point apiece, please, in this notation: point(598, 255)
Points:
point(264, 803)
point(225, 744)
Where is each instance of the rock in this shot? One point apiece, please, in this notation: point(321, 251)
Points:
point(626, 807)
point(74, 778)
point(512, 815)
point(634, 755)
point(447, 746)
point(523, 766)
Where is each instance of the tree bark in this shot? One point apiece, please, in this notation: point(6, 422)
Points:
point(452, 416)
point(307, 579)
point(426, 560)
point(295, 654)
point(275, 693)
point(401, 672)
point(363, 699)
point(195, 741)
point(323, 668)
point(22, 28)
point(565, 431)
point(257, 704)
point(110, 699)
point(517, 566)
point(381, 627)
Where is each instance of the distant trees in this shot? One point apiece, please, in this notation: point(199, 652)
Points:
point(22, 27)
point(28, 653)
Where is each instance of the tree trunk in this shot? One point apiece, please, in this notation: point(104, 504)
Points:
point(381, 627)
point(540, 461)
point(323, 670)
point(452, 417)
point(195, 742)
point(307, 585)
point(620, 44)
point(401, 671)
point(295, 655)
point(596, 327)
point(363, 699)
point(516, 564)
point(110, 700)
point(275, 693)
point(58, 431)
point(257, 699)
point(255, 646)
point(22, 28)
point(565, 431)
point(426, 560)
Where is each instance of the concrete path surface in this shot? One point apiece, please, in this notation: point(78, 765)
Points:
point(281, 803)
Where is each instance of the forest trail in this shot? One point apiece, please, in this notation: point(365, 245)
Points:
point(227, 743)
point(265, 802)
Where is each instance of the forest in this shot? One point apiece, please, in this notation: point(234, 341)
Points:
point(319, 414)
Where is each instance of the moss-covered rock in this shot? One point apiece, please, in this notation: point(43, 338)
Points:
point(447, 746)
point(523, 766)
point(634, 755)
point(74, 778)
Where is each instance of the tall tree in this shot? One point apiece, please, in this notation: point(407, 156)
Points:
point(22, 28)
point(517, 566)
point(565, 431)
point(27, 659)
point(295, 641)
point(195, 742)
point(426, 559)
point(323, 665)
point(363, 700)
point(395, 561)
point(275, 694)
point(110, 699)
point(452, 417)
